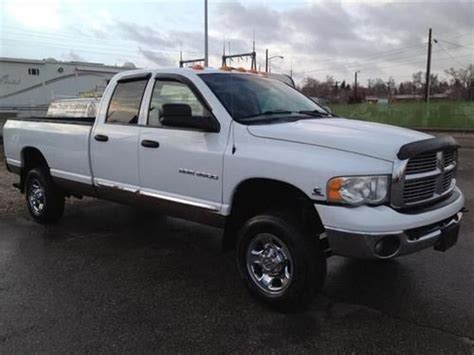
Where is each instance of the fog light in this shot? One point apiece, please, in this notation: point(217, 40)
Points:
point(387, 246)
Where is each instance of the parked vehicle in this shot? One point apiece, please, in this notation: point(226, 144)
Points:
point(289, 183)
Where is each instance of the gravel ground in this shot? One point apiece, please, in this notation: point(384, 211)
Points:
point(110, 279)
point(12, 202)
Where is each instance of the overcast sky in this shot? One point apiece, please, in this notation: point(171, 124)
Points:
point(316, 38)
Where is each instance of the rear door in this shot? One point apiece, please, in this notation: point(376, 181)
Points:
point(184, 165)
point(114, 143)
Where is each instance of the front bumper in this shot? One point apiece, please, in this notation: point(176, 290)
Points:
point(356, 232)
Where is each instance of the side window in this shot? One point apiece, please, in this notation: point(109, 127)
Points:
point(124, 105)
point(33, 71)
point(172, 92)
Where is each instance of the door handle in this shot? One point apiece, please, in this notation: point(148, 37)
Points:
point(101, 138)
point(150, 144)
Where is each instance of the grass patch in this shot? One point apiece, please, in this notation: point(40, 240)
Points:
point(447, 115)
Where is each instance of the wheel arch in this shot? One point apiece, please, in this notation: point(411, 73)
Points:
point(256, 195)
point(31, 158)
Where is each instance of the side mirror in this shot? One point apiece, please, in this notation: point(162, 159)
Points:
point(180, 115)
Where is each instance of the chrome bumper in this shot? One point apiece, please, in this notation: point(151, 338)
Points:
point(387, 245)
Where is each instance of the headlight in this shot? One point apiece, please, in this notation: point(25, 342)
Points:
point(358, 190)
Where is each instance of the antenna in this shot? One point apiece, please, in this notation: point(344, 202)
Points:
point(206, 39)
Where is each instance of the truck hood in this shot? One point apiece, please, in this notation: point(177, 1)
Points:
point(367, 138)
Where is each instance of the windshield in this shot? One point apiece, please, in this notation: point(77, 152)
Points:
point(251, 98)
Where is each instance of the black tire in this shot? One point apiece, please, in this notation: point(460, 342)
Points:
point(308, 270)
point(48, 208)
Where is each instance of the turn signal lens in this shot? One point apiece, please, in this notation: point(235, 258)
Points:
point(334, 187)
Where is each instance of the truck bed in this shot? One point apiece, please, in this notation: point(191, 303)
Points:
point(64, 143)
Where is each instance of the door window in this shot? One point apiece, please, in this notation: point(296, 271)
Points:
point(172, 92)
point(125, 103)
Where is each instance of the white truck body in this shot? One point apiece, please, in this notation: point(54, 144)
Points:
point(201, 171)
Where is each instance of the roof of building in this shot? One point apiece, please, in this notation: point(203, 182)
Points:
point(55, 61)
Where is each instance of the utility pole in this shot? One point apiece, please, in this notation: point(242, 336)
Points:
point(266, 60)
point(389, 90)
point(471, 83)
point(355, 85)
point(206, 47)
point(253, 64)
point(428, 69)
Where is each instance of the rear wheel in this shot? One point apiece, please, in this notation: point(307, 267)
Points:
point(280, 261)
point(44, 200)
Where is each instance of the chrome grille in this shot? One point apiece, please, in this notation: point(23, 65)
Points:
point(449, 157)
point(423, 178)
point(448, 180)
point(421, 189)
point(422, 163)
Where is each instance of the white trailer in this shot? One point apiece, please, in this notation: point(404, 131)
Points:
point(27, 86)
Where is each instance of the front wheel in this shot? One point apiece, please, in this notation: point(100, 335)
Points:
point(280, 261)
point(45, 201)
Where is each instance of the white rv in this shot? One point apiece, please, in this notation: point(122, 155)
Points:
point(27, 87)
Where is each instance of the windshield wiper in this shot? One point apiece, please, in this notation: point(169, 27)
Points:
point(294, 116)
point(315, 113)
point(277, 112)
point(271, 120)
point(267, 113)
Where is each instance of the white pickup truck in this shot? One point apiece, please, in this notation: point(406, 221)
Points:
point(290, 183)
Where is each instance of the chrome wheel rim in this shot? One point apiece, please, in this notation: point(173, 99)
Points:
point(269, 264)
point(36, 197)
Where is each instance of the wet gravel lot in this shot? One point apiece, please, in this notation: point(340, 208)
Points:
point(112, 279)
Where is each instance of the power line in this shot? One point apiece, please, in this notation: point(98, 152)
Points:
point(457, 44)
point(449, 54)
point(437, 60)
point(371, 57)
point(125, 54)
point(462, 35)
point(383, 68)
point(22, 34)
point(365, 66)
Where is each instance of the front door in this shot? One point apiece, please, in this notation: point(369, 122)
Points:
point(180, 165)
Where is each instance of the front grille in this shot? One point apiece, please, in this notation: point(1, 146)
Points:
point(422, 163)
point(419, 189)
point(449, 157)
point(427, 177)
point(448, 180)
